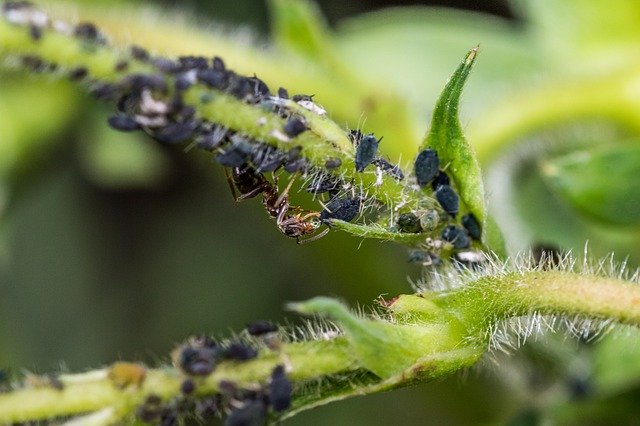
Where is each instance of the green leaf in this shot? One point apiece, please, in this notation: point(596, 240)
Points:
point(601, 183)
point(582, 31)
point(446, 138)
point(389, 349)
point(299, 26)
point(411, 48)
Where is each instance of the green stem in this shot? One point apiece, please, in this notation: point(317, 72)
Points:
point(95, 391)
point(494, 298)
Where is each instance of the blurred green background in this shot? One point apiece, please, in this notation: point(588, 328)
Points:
point(116, 248)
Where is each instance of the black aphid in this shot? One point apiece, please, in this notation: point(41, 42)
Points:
point(345, 209)
point(218, 64)
point(258, 328)
point(150, 409)
point(239, 352)
point(267, 158)
point(166, 65)
point(332, 163)
point(280, 390)
point(206, 407)
point(294, 162)
point(35, 32)
point(294, 126)
point(240, 87)
point(139, 53)
point(169, 417)
point(425, 258)
point(124, 123)
point(86, 31)
point(193, 62)
point(409, 222)
point(456, 236)
point(282, 93)
point(104, 91)
point(426, 166)
point(78, 74)
point(448, 199)
point(366, 151)
point(324, 183)
point(187, 386)
point(121, 66)
point(212, 139)
point(392, 169)
point(301, 97)
point(139, 82)
point(252, 413)
point(472, 226)
point(441, 179)
point(174, 133)
point(213, 78)
point(236, 155)
point(260, 88)
point(198, 360)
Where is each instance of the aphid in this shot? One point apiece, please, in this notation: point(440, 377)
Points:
point(139, 82)
point(78, 74)
point(282, 93)
point(166, 65)
point(236, 155)
point(123, 374)
point(252, 413)
point(301, 97)
point(56, 383)
point(267, 158)
point(193, 62)
point(332, 163)
point(366, 151)
point(206, 407)
point(239, 352)
point(440, 179)
point(324, 183)
point(217, 79)
point(345, 209)
point(124, 123)
point(87, 31)
point(212, 139)
point(409, 222)
point(187, 386)
point(218, 64)
point(294, 162)
point(472, 226)
point(546, 256)
point(448, 199)
point(426, 166)
point(245, 180)
point(260, 88)
point(429, 220)
point(258, 328)
point(174, 133)
point(392, 169)
point(35, 32)
point(139, 53)
point(150, 409)
point(104, 91)
point(121, 65)
point(294, 126)
point(280, 390)
point(168, 417)
point(197, 360)
point(424, 257)
point(456, 236)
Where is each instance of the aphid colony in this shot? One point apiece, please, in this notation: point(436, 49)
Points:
point(153, 101)
point(196, 359)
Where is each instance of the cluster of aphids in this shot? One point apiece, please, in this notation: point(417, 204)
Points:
point(428, 172)
point(249, 405)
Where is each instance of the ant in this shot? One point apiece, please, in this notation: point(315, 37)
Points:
point(246, 183)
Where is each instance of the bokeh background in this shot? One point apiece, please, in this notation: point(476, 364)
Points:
point(109, 256)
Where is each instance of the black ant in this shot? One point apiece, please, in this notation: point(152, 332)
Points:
point(246, 183)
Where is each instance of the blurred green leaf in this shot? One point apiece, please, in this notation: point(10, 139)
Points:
point(617, 362)
point(412, 48)
point(601, 183)
point(446, 138)
point(605, 34)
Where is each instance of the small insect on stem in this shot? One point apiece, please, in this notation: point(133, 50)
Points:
point(245, 183)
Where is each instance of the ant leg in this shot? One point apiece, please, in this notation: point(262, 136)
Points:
point(283, 196)
point(314, 238)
